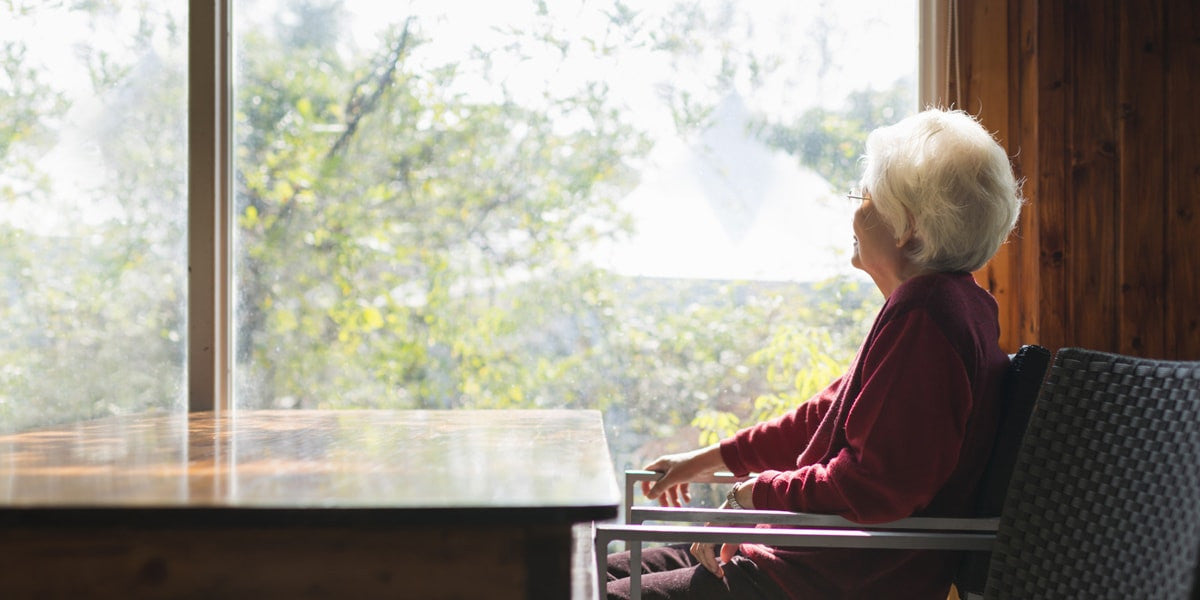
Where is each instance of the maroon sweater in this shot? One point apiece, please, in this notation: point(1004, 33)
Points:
point(905, 431)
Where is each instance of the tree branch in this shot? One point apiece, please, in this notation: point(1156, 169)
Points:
point(368, 91)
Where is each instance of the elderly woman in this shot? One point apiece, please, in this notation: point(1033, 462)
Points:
point(907, 429)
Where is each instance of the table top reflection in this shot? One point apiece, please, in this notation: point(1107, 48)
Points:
point(411, 466)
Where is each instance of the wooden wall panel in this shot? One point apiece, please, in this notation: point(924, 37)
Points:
point(1091, 193)
point(1101, 117)
point(1140, 135)
point(1182, 196)
point(1023, 326)
point(1049, 176)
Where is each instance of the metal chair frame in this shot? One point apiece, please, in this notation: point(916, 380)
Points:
point(809, 529)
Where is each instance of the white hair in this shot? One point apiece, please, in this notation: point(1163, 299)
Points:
point(941, 177)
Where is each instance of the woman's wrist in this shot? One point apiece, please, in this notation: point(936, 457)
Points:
point(741, 495)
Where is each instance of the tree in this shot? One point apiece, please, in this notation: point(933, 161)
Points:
point(831, 141)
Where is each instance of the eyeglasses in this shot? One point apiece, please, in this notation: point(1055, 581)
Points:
point(856, 194)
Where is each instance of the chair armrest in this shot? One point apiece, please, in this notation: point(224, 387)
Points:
point(634, 476)
point(641, 514)
point(803, 537)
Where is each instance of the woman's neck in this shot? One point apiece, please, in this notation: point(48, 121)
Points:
point(888, 282)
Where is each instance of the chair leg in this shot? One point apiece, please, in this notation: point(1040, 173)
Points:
point(635, 565)
point(635, 570)
point(601, 547)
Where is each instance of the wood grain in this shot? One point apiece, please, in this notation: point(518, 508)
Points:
point(428, 563)
point(1182, 198)
point(1050, 176)
point(1092, 179)
point(1102, 122)
point(1142, 182)
point(1024, 321)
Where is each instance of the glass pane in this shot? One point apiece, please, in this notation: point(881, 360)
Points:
point(635, 207)
point(92, 209)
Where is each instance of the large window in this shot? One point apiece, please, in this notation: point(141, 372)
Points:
point(628, 206)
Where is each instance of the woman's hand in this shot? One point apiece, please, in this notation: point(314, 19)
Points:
point(707, 553)
point(678, 469)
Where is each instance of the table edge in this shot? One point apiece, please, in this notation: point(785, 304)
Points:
point(41, 517)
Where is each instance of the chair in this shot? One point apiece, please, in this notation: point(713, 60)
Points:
point(1105, 496)
point(1022, 380)
point(1104, 500)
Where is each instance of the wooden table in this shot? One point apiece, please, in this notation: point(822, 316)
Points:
point(347, 504)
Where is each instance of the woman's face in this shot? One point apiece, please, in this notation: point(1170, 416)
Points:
point(876, 250)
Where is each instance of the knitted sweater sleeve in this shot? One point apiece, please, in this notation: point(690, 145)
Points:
point(775, 444)
point(902, 432)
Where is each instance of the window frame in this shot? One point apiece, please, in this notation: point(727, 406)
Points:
point(209, 198)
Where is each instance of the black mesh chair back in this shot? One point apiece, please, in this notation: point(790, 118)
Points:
point(1021, 384)
point(1023, 381)
point(1104, 500)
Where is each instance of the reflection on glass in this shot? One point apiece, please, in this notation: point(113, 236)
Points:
point(635, 207)
point(92, 210)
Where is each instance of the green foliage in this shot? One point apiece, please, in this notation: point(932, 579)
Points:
point(27, 103)
point(808, 337)
point(396, 260)
point(831, 141)
point(715, 425)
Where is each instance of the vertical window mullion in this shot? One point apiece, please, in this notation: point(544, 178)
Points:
point(933, 32)
point(208, 202)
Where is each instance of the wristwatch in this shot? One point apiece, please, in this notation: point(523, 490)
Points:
point(731, 497)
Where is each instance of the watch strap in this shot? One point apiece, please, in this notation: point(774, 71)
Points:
point(731, 497)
